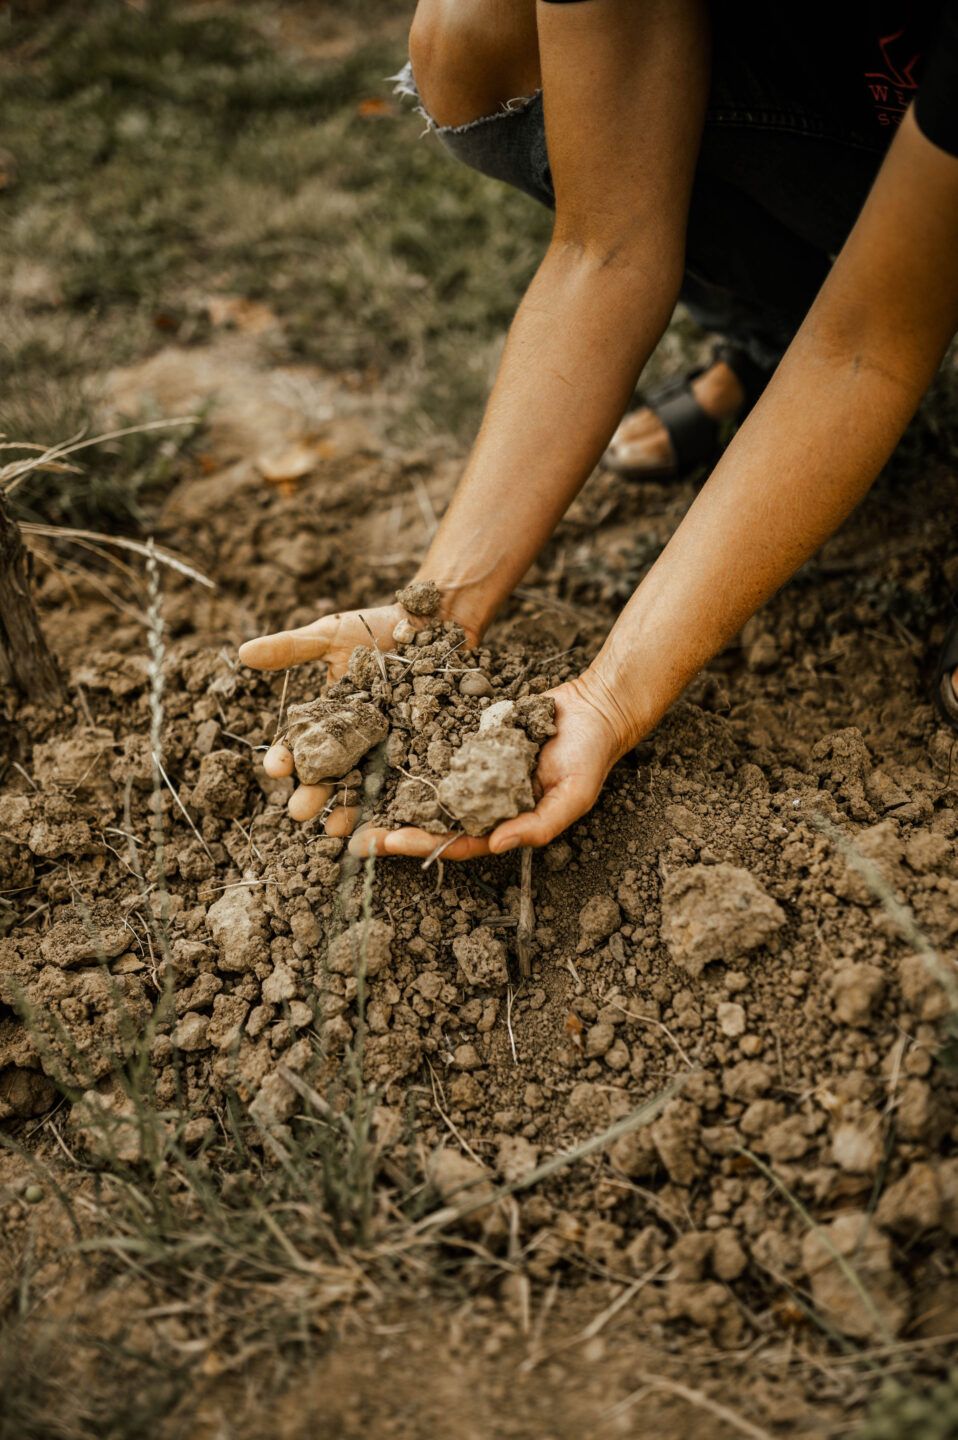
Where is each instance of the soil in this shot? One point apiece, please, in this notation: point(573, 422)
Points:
point(748, 933)
point(710, 926)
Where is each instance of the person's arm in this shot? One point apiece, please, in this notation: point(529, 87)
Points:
point(808, 453)
point(624, 87)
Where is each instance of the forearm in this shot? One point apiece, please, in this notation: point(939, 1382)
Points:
point(579, 339)
point(847, 387)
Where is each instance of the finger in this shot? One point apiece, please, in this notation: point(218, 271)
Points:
point(278, 761)
point(557, 809)
point(416, 844)
point(342, 820)
point(307, 802)
point(368, 840)
point(421, 844)
point(289, 647)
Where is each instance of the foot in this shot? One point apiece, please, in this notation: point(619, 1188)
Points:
point(642, 441)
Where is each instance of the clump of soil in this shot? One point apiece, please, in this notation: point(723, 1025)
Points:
point(461, 732)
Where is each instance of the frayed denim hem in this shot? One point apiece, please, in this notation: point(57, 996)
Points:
point(404, 85)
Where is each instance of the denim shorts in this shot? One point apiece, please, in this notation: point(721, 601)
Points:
point(778, 186)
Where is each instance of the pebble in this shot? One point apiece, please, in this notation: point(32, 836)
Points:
point(476, 684)
point(731, 1019)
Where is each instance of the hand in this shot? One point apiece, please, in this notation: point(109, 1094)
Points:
point(332, 638)
point(590, 736)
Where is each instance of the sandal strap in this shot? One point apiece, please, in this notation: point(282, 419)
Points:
point(752, 376)
point(693, 432)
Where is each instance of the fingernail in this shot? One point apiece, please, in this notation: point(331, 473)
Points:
point(509, 845)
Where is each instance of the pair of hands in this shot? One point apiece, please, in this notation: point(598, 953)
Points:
point(572, 765)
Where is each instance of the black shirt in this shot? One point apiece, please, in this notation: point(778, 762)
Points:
point(851, 65)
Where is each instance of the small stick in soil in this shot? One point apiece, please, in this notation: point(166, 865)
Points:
point(464, 1143)
point(282, 708)
point(29, 778)
point(376, 651)
point(527, 917)
point(443, 846)
point(512, 1039)
point(186, 813)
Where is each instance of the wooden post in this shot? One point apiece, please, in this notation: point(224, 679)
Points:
point(25, 660)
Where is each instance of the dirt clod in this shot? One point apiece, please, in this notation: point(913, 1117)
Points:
point(849, 1266)
point(420, 598)
point(482, 959)
point(716, 912)
point(328, 739)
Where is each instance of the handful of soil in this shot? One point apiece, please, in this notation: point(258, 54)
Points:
point(426, 734)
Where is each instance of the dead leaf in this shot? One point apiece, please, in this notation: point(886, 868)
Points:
point(375, 107)
point(240, 313)
point(286, 468)
point(574, 1028)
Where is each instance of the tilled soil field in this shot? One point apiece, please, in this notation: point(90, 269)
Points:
point(748, 947)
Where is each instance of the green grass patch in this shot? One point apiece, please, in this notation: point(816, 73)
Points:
point(165, 154)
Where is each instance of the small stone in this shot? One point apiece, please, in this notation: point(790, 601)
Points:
point(300, 1014)
point(599, 918)
point(913, 1203)
point(462, 1182)
point(190, 1034)
point(33, 1194)
point(237, 923)
point(675, 1135)
point(279, 986)
point(635, 1154)
point(557, 855)
point(223, 784)
point(728, 1258)
point(329, 737)
point(856, 990)
point(517, 1158)
point(598, 1039)
point(274, 1103)
point(617, 1056)
point(731, 1019)
point(489, 778)
point(404, 633)
point(475, 684)
point(857, 1145)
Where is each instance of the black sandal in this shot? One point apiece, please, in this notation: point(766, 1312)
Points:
point(946, 698)
point(695, 437)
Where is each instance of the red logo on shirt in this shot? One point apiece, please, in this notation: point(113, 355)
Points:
point(893, 88)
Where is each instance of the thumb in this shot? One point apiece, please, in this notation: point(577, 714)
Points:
point(557, 809)
point(289, 647)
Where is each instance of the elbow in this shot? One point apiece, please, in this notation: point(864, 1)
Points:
point(645, 268)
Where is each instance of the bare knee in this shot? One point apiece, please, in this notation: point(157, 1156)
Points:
point(470, 56)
